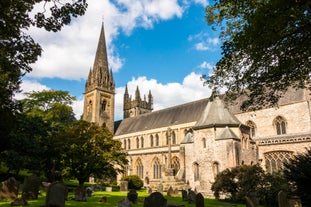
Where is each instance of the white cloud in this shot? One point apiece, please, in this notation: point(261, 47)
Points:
point(164, 95)
point(29, 86)
point(201, 46)
point(204, 3)
point(204, 42)
point(207, 65)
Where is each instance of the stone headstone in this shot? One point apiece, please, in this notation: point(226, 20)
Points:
point(80, 193)
point(184, 195)
point(282, 199)
point(9, 189)
point(155, 199)
point(149, 190)
point(199, 200)
point(191, 197)
point(125, 202)
point(160, 187)
point(123, 186)
point(170, 191)
point(19, 202)
point(56, 195)
point(89, 192)
point(132, 196)
point(176, 191)
point(31, 187)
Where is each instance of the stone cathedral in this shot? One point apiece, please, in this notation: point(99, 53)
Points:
point(192, 142)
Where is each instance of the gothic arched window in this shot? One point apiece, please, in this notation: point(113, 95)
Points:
point(151, 140)
point(129, 143)
point(204, 142)
point(196, 171)
point(139, 168)
point(274, 160)
point(252, 127)
point(157, 169)
point(137, 142)
point(142, 142)
point(280, 125)
point(124, 144)
point(215, 168)
point(157, 140)
point(173, 138)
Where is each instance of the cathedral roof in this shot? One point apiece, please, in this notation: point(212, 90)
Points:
point(184, 113)
point(216, 114)
point(227, 133)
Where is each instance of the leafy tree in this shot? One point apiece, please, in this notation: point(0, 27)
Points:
point(90, 150)
point(298, 171)
point(134, 182)
point(238, 181)
point(266, 48)
point(18, 50)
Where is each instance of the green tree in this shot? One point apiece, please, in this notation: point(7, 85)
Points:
point(134, 182)
point(298, 171)
point(18, 50)
point(90, 150)
point(266, 48)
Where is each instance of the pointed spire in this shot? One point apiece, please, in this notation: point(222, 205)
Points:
point(137, 94)
point(101, 61)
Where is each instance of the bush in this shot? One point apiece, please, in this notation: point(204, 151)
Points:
point(134, 182)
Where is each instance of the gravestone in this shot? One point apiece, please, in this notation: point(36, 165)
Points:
point(199, 200)
point(132, 196)
point(19, 202)
point(184, 195)
point(123, 186)
point(89, 192)
point(155, 199)
point(170, 191)
point(125, 202)
point(282, 199)
point(56, 195)
point(80, 194)
point(31, 187)
point(176, 191)
point(149, 190)
point(160, 188)
point(191, 197)
point(9, 189)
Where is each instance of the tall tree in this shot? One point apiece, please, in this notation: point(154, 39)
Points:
point(18, 49)
point(266, 48)
point(90, 150)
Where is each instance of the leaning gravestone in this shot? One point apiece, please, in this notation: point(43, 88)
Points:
point(170, 191)
point(184, 195)
point(125, 202)
point(9, 189)
point(132, 196)
point(191, 197)
point(199, 200)
point(160, 187)
point(123, 186)
point(155, 199)
point(31, 187)
point(56, 195)
point(80, 193)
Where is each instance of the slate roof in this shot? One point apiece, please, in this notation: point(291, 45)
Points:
point(190, 112)
point(216, 114)
point(227, 133)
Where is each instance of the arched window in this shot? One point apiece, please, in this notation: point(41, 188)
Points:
point(142, 142)
point(196, 171)
point(139, 168)
point(252, 127)
point(173, 138)
point(175, 165)
point(204, 142)
point(124, 144)
point(157, 140)
point(166, 140)
point(215, 168)
point(157, 169)
point(188, 136)
point(129, 143)
point(280, 125)
point(151, 140)
point(274, 160)
point(137, 142)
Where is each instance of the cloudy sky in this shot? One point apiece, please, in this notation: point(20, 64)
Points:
point(159, 45)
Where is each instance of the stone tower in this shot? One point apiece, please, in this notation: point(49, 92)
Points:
point(100, 89)
point(133, 108)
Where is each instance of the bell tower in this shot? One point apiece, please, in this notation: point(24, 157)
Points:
point(100, 89)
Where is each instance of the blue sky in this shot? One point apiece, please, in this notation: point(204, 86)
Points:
point(160, 45)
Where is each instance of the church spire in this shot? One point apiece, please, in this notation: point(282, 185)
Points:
point(101, 60)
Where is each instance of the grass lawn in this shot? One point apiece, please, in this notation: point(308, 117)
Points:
point(114, 197)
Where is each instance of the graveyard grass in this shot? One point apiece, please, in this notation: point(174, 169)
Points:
point(114, 197)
